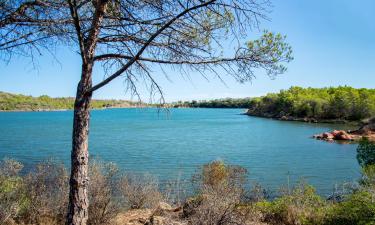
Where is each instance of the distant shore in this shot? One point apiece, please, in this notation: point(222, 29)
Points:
point(61, 110)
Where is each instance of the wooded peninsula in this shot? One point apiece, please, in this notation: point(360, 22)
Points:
point(329, 104)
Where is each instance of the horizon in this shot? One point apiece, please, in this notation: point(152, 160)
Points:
point(331, 48)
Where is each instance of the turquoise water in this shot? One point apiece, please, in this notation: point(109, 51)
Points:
point(175, 144)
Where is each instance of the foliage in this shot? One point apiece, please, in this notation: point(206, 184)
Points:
point(301, 206)
point(366, 153)
point(218, 174)
point(368, 176)
point(28, 103)
point(216, 103)
point(342, 103)
point(12, 193)
point(358, 208)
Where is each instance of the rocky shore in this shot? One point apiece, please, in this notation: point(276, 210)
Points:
point(367, 130)
point(282, 117)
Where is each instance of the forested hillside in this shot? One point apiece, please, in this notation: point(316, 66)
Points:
point(28, 103)
point(339, 103)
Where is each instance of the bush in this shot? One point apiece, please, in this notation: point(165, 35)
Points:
point(368, 176)
point(104, 203)
point(302, 206)
point(218, 206)
point(366, 153)
point(41, 196)
point(359, 209)
point(220, 196)
point(217, 174)
point(140, 191)
point(12, 192)
point(47, 194)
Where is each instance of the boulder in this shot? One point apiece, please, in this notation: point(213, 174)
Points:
point(327, 135)
point(342, 135)
point(335, 135)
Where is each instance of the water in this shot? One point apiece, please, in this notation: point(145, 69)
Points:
point(175, 144)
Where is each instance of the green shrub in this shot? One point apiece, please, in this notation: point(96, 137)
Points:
point(358, 208)
point(302, 206)
point(366, 153)
point(13, 200)
point(368, 176)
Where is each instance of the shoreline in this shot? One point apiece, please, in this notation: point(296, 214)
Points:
point(306, 120)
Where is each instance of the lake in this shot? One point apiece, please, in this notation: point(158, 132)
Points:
point(174, 144)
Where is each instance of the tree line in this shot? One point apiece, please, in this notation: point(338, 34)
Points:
point(20, 102)
point(215, 103)
point(343, 103)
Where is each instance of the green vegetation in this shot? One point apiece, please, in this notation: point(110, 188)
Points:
point(334, 103)
point(366, 153)
point(216, 103)
point(340, 103)
point(28, 103)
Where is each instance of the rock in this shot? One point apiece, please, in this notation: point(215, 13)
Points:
point(367, 129)
point(342, 135)
point(284, 118)
point(339, 135)
point(327, 135)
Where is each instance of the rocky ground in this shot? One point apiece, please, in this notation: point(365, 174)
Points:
point(163, 214)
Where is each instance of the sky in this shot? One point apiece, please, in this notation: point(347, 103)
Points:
point(333, 44)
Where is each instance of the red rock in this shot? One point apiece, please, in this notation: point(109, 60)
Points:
point(327, 135)
point(335, 132)
point(344, 137)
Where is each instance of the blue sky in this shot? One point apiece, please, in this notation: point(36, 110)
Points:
point(333, 43)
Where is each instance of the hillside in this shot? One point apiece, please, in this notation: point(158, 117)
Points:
point(18, 102)
point(316, 104)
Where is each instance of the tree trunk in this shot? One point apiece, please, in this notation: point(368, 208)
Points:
point(78, 197)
